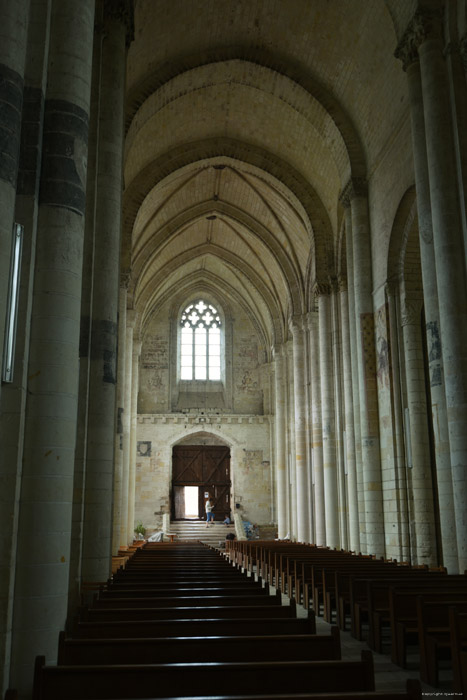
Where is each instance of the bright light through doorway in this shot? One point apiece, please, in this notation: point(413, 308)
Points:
point(191, 502)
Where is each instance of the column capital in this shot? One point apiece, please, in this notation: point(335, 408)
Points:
point(296, 323)
point(410, 311)
point(356, 187)
point(122, 11)
point(463, 50)
point(321, 289)
point(125, 279)
point(424, 25)
point(311, 319)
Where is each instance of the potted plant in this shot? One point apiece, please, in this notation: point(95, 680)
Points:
point(140, 531)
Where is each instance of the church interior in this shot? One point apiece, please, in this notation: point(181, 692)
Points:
point(232, 267)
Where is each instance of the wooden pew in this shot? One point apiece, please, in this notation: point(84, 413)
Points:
point(311, 647)
point(169, 680)
point(458, 634)
point(175, 613)
point(200, 591)
point(413, 692)
point(403, 612)
point(102, 601)
point(254, 626)
point(434, 634)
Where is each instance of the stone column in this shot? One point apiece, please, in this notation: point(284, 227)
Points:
point(449, 253)
point(125, 535)
point(423, 537)
point(46, 495)
point(399, 541)
point(322, 293)
point(345, 201)
point(281, 456)
point(133, 429)
point(408, 54)
point(356, 192)
point(97, 529)
point(118, 476)
point(292, 481)
point(336, 334)
point(352, 494)
point(317, 429)
point(14, 17)
point(301, 461)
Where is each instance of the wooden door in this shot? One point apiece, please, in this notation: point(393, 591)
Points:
point(206, 466)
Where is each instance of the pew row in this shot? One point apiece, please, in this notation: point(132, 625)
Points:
point(170, 680)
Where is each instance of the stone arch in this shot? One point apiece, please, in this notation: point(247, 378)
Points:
point(271, 59)
point(251, 274)
point(189, 154)
point(288, 269)
point(404, 219)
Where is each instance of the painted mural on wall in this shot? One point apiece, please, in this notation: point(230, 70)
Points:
point(434, 353)
point(383, 355)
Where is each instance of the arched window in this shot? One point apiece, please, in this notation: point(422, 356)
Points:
point(200, 347)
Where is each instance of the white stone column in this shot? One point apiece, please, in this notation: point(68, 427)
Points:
point(399, 541)
point(352, 494)
point(336, 341)
point(125, 535)
point(292, 480)
point(345, 201)
point(423, 537)
point(449, 255)
point(366, 359)
point(301, 461)
point(408, 54)
point(133, 429)
point(322, 293)
point(281, 457)
point(118, 475)
point(98, 510)
point(317, 429)
point(44, 531)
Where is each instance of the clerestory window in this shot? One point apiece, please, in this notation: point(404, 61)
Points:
point(200, 356)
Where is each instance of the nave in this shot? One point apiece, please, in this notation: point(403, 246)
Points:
point(185, 620)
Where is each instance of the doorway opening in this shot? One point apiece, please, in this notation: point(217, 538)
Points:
point(191, 502)
point(200, 472)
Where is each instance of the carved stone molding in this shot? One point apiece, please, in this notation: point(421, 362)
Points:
point(123, 11)
point(125, 279)
point(425, 24)
point(463, 51)
point(341, 283)
point(410, 312)
point(321, 289)
point(356, 187)
point(296, 324)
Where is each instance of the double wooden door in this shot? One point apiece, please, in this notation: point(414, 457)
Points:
point(208, 468)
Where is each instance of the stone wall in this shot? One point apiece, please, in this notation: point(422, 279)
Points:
point(251, 464)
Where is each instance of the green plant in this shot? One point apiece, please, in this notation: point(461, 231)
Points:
point(140, 529)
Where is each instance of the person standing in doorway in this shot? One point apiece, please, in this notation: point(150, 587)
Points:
point(209, 514)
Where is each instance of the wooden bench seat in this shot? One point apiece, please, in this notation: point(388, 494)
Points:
point(181, 591)
point(256, 626)
point(434, 634)
point(458, 636)
point(303, 647)
point(201, 612)
point(169, 680)
point(413, 692)
point(186, 601)
point(404, 622)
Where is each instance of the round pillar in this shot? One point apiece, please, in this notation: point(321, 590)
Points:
point(281, 468)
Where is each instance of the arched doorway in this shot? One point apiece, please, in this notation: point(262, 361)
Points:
point(205, 468)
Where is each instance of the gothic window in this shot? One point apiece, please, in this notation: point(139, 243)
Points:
point(200, 355)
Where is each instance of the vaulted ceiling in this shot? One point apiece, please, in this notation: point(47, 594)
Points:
point(245, 119)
